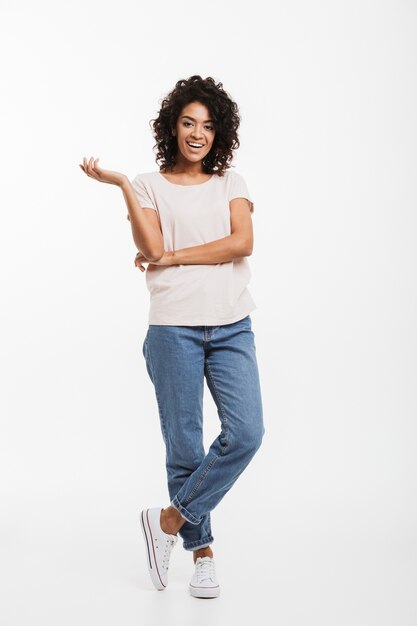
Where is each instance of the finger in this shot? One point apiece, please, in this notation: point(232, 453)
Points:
point(91, 171)
point(96, 169)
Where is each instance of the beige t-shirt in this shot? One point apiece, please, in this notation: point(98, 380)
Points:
point(192, 215)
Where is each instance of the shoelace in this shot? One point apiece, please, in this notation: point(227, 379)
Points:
point(169, 544)
point(205, 570)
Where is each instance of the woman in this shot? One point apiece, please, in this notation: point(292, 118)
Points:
point(191, 222)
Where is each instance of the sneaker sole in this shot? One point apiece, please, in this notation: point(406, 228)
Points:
point(205, 592)
point(152, 566)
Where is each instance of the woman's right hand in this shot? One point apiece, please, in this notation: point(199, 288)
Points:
point(104, 176)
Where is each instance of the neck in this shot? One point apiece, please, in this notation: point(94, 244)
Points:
point(183, 166)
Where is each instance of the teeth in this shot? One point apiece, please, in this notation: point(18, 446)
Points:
point(195, 145)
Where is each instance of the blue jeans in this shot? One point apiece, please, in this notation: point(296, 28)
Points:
point(177, 360)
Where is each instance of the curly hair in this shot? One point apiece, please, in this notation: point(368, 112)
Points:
point(223, 111)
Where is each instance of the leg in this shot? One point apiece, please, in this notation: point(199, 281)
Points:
point(233, 379)
point(175, 363)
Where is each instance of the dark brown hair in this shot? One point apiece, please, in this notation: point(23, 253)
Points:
point(223, 111)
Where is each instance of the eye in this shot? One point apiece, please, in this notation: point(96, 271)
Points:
point(207, 127)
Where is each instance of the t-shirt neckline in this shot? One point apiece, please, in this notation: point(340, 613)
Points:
point(193, 185)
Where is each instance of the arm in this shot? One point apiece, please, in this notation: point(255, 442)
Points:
point(238, 244)
point(218, 251)
point(146, 231)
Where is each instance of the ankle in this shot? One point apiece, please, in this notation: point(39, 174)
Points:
point(171, 520)
point(202, 552)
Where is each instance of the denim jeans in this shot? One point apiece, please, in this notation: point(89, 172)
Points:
point(177, 360)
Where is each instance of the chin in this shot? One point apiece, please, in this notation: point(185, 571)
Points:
point(196, 159)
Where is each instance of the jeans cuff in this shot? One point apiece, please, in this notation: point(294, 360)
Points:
point(189, 517)
point(201, 543)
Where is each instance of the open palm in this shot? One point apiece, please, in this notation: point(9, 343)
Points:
point(103, 176)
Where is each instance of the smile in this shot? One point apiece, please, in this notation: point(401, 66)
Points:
point(195, 146)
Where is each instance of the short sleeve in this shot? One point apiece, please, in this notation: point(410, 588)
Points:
point(142, 194)
point(239, 189)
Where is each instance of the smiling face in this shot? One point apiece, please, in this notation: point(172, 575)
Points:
point(194, 126)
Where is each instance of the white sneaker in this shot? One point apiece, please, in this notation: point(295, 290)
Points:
point(204, 583)
point(158, 546)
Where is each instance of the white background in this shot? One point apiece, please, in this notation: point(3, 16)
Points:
point(321, 527)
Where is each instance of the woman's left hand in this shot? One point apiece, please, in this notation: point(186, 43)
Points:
point(166, 259)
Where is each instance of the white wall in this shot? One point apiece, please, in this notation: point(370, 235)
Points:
point(323, 521)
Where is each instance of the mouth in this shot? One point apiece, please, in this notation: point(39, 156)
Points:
point(195, 146)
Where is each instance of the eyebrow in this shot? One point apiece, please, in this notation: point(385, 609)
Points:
point(191, 118)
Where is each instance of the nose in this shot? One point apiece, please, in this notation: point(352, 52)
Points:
point(197, 133)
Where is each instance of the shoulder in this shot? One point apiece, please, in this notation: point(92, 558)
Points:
point(146, 190)
point(237, 188)
point(146, 177)
point(231, 176)
point(149, 182)
point(232, 180)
